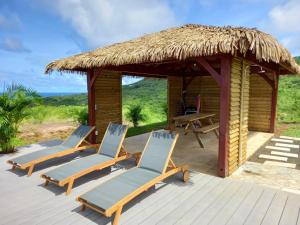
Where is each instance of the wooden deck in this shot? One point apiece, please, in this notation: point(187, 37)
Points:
point(205, 199)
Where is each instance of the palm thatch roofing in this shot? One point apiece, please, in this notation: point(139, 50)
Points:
point(181, 43)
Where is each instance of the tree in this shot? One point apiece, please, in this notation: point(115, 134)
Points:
point(14, 104)
point(135, 115)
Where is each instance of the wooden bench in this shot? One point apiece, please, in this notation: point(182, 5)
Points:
point(208, 128)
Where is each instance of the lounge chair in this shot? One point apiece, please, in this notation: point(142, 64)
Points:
point(109, 153)
point(154, 166)
point(75, 142)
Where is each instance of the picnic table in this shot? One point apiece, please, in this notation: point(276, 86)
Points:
point(193, 123)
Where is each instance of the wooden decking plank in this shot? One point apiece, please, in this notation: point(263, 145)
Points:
point(245, 208)
point(291, 210)
point(204, 203)
point(216, 208)
point(261, 207)
point(292, 155)
point(287, 145)
point(176, 202)
point(189, 203)
point(150, 209)
point(278, 148)
point(275, 210)
point(167, 191)
point(232, 205)
point(291, 138)
point(282, 164)
point(67, 204)
point(273, 157)
point(282, 140)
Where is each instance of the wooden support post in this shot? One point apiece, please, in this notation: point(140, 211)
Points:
point(91, 77)
point(30, 170)
point(117, 215)
point(70, 185)
point(224, 116)
point(274, 102)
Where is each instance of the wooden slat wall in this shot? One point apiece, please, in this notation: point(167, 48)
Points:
point(209, 96)
point(174, 96)
point(260, 104)
point(192, 91)
point(238, 122)
point(108, 100)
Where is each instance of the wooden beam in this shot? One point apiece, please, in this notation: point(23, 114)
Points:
point(186, 83)
point(91, 77)
point(224, 116)
point(267, 79)
point(202, 61)
point(93, 80)
point(274, 103)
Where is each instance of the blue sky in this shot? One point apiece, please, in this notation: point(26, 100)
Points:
point(35, 32)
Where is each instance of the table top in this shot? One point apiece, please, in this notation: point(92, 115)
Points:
point(193, 117)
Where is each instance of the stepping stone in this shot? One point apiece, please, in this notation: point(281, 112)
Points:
point(282, 140)
point(278, 148)
point(292, 138)
point(287, 145)
point(287, 165)
point(292, 155)
point(279, 158)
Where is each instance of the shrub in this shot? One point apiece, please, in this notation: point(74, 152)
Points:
point(14, 104)
point(135, 115)
point(83, 116)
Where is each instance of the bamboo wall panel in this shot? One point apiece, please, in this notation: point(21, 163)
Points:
point(238, 120)
point(174, 97)
point(259, 104)
point(108, 100)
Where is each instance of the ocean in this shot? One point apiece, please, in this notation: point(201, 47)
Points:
point(50, 94)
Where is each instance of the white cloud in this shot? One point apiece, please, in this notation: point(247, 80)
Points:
point(10, 21)
point(107, 21)
point(285, 17)
point(13, 45)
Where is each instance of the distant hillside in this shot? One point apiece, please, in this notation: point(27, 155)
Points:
point(75, 99)
point(147, 91)
point(297, 58)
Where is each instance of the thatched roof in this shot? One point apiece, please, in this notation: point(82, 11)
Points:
point(181, 43)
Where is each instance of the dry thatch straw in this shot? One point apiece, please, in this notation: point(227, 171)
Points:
point(181, 43)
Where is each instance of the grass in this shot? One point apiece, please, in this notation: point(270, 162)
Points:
point(46, 113)
point(293, 130)
point(133, 131)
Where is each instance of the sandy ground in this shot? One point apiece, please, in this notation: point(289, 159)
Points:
point(33, 133)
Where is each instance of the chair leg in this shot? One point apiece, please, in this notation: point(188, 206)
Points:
point(46, 182)
point(83, 207)
point(117, 216)
point(199, 140)
point(30, 170)
point(70, 185)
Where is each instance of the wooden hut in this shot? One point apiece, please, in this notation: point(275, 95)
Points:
point(234, 69)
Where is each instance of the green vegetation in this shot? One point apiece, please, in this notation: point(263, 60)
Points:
point(151, 95)
point(132, 131)
point(67, 100)
point(135, 115)
point(289, 99)
point(14, 105)
point(44, 113)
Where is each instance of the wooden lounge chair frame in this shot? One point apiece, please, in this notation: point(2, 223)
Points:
point(121, 155)
point(169, 170)
point(82, 145)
